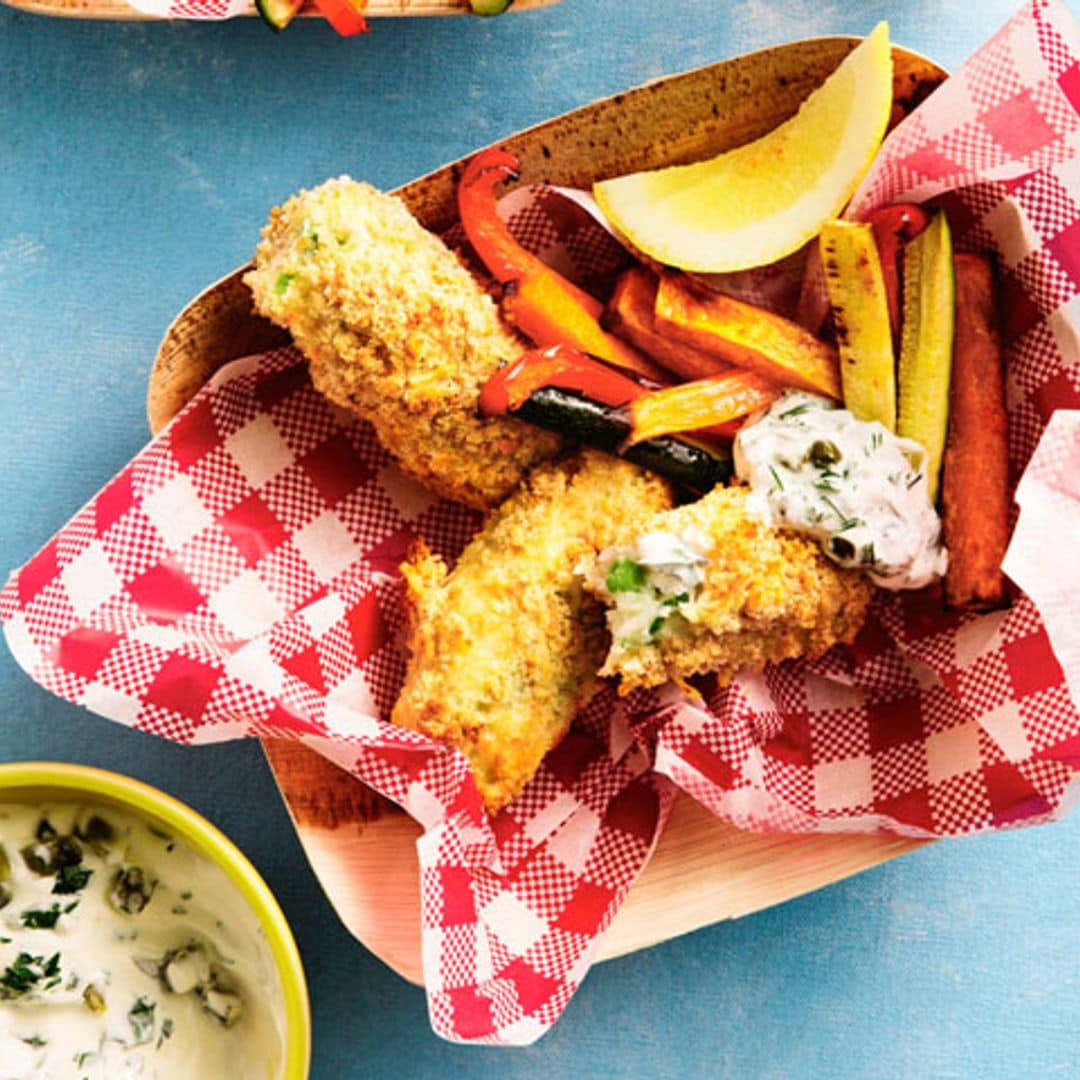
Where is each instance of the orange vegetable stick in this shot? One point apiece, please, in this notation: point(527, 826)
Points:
point(777, 349)
point(631, 315)
point(542, 308)
point(975, 483)
point(702, 404)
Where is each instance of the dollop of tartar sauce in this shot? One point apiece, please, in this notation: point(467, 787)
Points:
point(854, 486)
point(124, 953)
point(653, 582)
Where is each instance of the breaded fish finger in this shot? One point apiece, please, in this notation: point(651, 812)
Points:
point(397, 331)
point(709, 588)
point(506, 646)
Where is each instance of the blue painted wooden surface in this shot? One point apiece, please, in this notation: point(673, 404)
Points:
point(137, 163)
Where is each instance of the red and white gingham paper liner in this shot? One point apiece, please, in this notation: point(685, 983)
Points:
point(239, 578)
point(203, 10)
point(199, 10)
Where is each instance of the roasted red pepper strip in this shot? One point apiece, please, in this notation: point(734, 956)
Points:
point(510, 387)
point(537, 300)
point(344, 16)
point(893, 227)
point(567, 369)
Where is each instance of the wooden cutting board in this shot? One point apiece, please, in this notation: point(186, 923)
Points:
point(122, 11)
point(362, 847)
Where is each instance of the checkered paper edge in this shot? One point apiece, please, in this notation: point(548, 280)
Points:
point(200, 10)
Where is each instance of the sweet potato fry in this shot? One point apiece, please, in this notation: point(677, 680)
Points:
point(694, 406)
point(631, 316)
point(749, 337)
point(543, 309)
point(975, 492)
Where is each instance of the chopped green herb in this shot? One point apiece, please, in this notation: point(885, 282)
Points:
point(776, 478)
point(283, 282)
point(675, 601)
point(833, 507)
point(798, 410)
point(36, 1041)
point(41, 920)
point(21, 975)
point(26, 972)
point(867, 556)
point(850, 523)
point(166, 1031)
point(914, 479)
point(141, 1019)
point(626, 575)
point(656, 624)
point(71, 879)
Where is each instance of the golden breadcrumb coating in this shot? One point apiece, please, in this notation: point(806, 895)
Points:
point(766, 596)
point(505, 647)
point(397, 331)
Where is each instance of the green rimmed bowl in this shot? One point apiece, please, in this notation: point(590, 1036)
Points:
point(35, 782)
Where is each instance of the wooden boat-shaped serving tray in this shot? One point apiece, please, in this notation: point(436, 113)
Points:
point(121, 11)
point(361, 846)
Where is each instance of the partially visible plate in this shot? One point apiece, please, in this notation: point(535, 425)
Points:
point(361, 846)
point(124, 12)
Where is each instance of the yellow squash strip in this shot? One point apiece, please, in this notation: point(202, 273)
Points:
point(926, 343)
point(860, 311)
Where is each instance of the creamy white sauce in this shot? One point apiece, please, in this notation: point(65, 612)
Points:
point(854, 486)
point(652, 584)
point(169, 978)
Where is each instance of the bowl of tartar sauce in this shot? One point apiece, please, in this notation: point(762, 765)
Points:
point(136, 941)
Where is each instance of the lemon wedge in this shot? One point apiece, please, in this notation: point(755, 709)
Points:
point(757, 203)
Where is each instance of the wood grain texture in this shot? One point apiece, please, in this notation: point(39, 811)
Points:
point(361, 846)
point(121, 11)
